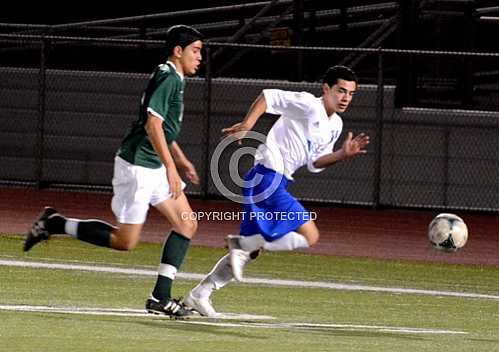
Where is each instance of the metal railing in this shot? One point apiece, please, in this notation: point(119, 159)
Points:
point(62, 124)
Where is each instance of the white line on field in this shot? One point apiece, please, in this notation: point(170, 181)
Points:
point(125, 312)
point(271, 282)
point(238, 320)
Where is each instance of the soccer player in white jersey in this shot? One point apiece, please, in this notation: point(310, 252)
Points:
point(146, 172)
point(304, 134)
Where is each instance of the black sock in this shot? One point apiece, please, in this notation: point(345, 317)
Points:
point(55, 224)
point(95, 232)
point(92, 231)
point(174, 252)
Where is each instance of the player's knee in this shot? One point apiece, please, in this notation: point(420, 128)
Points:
point(123, 244)
point(313, 238)
point(189, 227)
point(126, 237)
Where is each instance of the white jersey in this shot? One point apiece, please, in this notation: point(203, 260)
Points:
point(302, 134)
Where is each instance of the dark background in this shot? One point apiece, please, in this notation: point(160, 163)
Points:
point(445, 25)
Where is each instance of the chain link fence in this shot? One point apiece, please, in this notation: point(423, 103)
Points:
point(66, 103)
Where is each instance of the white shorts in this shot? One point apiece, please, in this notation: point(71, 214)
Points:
point(134, 188)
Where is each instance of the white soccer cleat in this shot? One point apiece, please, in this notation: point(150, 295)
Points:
point(238, 257)
point(201, 305)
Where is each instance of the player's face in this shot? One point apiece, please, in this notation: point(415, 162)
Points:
point(338, 97)
point(191, 57)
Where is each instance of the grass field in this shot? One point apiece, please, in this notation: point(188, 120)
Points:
point(50, 300)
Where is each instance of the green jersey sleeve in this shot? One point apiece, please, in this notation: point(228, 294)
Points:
point(159, 101)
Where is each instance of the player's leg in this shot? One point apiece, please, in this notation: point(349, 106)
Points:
point(184, 226)
point(126, 236)
point(93, 231)
point(241, 246)
point(277, 222)
point(199, 298)
point(133, 188)
point(305, 236)
point(129, 208)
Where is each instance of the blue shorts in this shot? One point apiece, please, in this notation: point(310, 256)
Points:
point(269, 209)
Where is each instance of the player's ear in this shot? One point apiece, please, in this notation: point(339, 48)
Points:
point(325, 88)
point(177, 52)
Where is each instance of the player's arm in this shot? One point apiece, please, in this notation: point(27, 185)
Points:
point(352, 146)
point(239, 130)
point(183, 163)
point(156, 135)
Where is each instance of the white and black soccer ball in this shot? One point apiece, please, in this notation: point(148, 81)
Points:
point(447, 232)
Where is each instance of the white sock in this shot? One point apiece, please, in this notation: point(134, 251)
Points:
point(167, 270)
point(71, 227)
point(252, 243)
point(219, 276)
point(291, 240)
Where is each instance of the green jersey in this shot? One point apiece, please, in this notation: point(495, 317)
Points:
point(163, 97)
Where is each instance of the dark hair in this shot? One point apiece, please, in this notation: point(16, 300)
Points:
point(334, 73)
point(182, 36)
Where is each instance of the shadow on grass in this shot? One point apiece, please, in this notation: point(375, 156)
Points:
point(208, 329)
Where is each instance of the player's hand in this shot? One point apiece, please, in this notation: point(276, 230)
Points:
point(190, 172)
point(237, 131)
point(353, 146)
point(174, 181)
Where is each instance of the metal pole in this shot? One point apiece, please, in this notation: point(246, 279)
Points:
point(207, 123)
point(467, 74)
point(379, 133)
point(298, 24)
point(406, 85)
point(40, 140)
point(446, 183)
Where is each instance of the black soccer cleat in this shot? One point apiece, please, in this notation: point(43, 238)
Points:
point(171, 307)
point(38, 231)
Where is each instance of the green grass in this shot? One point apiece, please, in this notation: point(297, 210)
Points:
point(42, 331)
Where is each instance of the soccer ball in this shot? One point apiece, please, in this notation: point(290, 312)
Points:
point(447, 232)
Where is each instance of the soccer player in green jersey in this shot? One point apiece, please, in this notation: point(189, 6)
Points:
point(146, 172)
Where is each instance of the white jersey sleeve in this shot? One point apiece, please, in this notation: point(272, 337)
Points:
point(316, 154)
point(293, 105)
point(319, 149)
